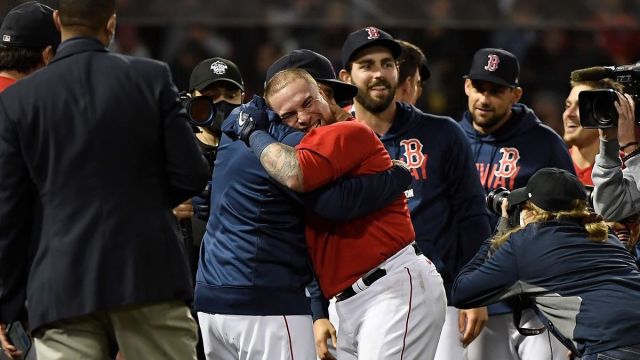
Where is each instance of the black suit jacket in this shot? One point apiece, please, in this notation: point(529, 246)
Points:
point(95, 151)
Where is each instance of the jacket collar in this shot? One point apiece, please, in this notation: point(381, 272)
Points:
point(78, 45)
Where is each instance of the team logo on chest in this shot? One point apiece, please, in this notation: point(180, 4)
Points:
point(508, 163)
point(414, 157)
point(502, 174)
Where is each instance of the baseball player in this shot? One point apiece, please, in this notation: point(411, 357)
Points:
point(370, 264)
point(321, 69)
point(254, 265)
point(446, 200)
point(509, 145)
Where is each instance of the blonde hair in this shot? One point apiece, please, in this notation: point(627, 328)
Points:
point(593, 223)
point(285, 77)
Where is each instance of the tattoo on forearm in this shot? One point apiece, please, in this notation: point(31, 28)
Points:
point(281, 163)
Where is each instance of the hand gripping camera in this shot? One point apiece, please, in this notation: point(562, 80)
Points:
point(494, 204)
point(597, 109)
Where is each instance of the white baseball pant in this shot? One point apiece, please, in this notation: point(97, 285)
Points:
point(450, 347)
point(500, 340)
point(243, 337)
point(400, 316)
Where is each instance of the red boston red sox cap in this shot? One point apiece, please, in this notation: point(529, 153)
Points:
point(495, 65)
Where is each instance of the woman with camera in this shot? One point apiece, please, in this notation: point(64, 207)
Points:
point(584, 284)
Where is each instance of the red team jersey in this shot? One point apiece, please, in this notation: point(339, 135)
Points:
point(5, 82)
point(343, 252)
point(583, 174)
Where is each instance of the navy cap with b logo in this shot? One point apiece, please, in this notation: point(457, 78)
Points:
point(495, 65)
point(367, 37)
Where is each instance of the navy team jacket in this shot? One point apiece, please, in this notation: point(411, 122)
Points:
point(446, 200)
point(584, 291)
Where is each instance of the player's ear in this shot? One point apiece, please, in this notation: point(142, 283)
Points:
point(56, 20)
point(47, 54)
point(344, 76)
point(467, 86)
point(517, 94)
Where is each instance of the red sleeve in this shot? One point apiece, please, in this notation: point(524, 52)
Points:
point(328, 152)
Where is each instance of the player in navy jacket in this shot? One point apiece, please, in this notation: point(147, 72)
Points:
point(254, 259)
point(583, 282)
point(509, 144)
point(447, 206)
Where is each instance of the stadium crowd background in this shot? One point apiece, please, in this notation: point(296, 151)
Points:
point(549, 38)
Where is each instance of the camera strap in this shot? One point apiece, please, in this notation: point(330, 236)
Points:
point(518, 305)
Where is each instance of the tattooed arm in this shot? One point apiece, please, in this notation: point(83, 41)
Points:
point(281, 163)
point(322, 156)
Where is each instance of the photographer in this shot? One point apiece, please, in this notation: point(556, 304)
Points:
point(215, 89)
point(617, 189)
point(583, 283)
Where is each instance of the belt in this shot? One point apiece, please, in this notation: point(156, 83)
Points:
point(368, 280)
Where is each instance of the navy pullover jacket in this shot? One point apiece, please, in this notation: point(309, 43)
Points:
point(584, 291)
point(446, 200)
point(509, 156)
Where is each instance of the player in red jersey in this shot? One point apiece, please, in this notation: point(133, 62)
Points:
point(370, 264)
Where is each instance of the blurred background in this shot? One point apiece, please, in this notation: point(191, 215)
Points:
point(550, 38)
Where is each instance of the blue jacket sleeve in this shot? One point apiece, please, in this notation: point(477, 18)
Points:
point(350, 198)
point(318, 303)
point(202, 203)
point(467, 198)
point(482, 282)
point(560, 158)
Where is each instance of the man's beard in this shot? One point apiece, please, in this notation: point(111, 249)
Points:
point(487, 123)
point(376, 106)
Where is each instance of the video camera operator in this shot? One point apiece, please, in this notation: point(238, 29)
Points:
point(617, 193)
point(583, 283)
point(215, 89)
point(616, 180)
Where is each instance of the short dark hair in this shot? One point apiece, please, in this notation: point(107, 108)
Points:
point(22, 60)
point(600, 84)
point(409, 61)
point(92, 14)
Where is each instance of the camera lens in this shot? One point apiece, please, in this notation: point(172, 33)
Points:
point(201, 111)
point(604, 111)
point(495, 198)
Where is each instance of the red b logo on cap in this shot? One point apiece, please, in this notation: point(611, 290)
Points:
point(373, 33)
point(492, 64)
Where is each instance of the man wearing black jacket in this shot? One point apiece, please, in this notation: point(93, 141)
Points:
point(102, 143)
